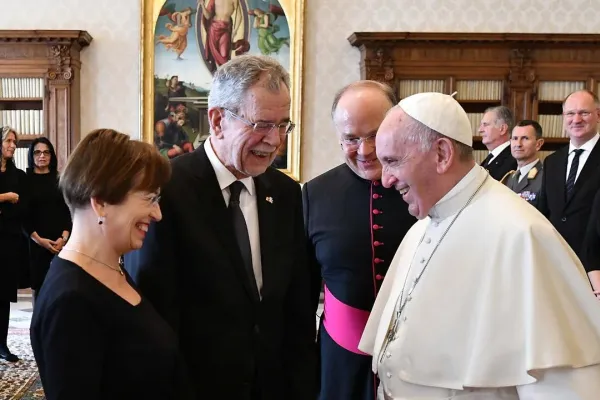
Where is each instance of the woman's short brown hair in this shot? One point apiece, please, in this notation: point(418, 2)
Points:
point(108, 165)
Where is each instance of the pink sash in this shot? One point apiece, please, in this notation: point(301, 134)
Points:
point(344, 324)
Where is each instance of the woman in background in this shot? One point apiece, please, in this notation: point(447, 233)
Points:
point(93, 334)
point(48, 220)
point(12, 183)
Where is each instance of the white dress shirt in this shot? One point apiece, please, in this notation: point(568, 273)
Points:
point(526, 168)
point(587, 148)
point(498, 150)
point(247, 204)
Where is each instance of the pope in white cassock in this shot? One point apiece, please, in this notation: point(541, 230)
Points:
point(484, 300)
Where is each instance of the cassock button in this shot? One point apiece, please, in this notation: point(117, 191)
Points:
point(377, 212)
point(377, 243)
point(379, 277)
point(564, 219)
point(375, 183)
point(375, 196)
point(378, 260)
point(377, 226)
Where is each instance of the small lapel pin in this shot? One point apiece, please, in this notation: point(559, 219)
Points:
point(270, 200)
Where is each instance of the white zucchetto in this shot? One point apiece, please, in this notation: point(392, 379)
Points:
point(440, 112)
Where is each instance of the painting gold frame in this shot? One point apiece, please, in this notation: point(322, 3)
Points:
point(294, 10)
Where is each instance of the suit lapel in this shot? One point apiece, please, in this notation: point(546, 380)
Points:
point(219, 218)
point(557, 176)
point(588, 170)
point(519, 186)
point(267, 206)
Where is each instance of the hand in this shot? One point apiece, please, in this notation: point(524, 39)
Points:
point(11, 197)
point(48, 245)
point(59, 243)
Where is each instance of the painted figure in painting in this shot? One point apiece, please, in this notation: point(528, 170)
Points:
point(223, 21)
point(268, 43)
point(177, 40)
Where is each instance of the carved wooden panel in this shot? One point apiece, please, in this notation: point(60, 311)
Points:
point(53, 55)
point(521, 61)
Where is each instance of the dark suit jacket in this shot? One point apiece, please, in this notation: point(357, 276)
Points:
point(191, 269)
point(590, 252)
point(569, 218)
point(528, 188)
point(501, 165)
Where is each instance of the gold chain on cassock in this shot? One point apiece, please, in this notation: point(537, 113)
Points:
point(390, 336)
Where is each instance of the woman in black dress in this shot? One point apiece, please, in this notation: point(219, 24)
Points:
point(12, 182)
point(94, 336)
point(48, 221)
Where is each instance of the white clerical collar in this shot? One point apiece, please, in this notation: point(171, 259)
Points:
point(224, 176)
point(499, 149)
point(587, 146)
point(525, 170)
point(458, 196)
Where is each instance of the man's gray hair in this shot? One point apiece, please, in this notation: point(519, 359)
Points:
point(233, 79)
point(423, 136)
point(505, 115)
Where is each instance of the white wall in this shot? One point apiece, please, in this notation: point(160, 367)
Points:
point(110, 71)
point(110, 82)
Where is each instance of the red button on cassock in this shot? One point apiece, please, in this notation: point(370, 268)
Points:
point(378, 260)
point(376, 212)
point(376, 227)
point(379, 277)
point(375, 196)
point(377, 243)
point(376, 183)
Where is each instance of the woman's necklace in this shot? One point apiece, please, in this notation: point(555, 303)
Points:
point(118, 269)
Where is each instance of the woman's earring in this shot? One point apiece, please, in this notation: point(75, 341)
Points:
point(100, 220)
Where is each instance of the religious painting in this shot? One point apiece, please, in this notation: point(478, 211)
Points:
point(185, 41)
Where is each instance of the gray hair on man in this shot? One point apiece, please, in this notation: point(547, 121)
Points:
point(233, 79)
point(503, 114)
point(422, 135)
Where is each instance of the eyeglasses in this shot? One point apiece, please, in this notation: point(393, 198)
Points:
point(264, 128)
point(354, 143)
point(38, 153)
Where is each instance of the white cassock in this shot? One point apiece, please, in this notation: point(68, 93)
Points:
point(503, 309)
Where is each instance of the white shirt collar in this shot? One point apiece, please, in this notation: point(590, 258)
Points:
point(499, 149)
point(224, 176)
point(587, 146)
point(457, 196)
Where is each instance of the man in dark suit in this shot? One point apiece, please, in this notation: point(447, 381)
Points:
point(526, 180)
point(571, 178)
point(227, 265)
point(495, 128)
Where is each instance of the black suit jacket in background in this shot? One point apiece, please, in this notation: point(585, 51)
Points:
point(191, 269)
point(501, 165)
point(569, 218)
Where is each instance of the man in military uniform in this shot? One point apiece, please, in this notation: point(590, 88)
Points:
point(525, 142)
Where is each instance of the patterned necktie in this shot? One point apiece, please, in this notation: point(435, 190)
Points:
point(241, 230)
point(572, 174)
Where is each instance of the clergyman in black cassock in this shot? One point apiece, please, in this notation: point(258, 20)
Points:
point(354, 226)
